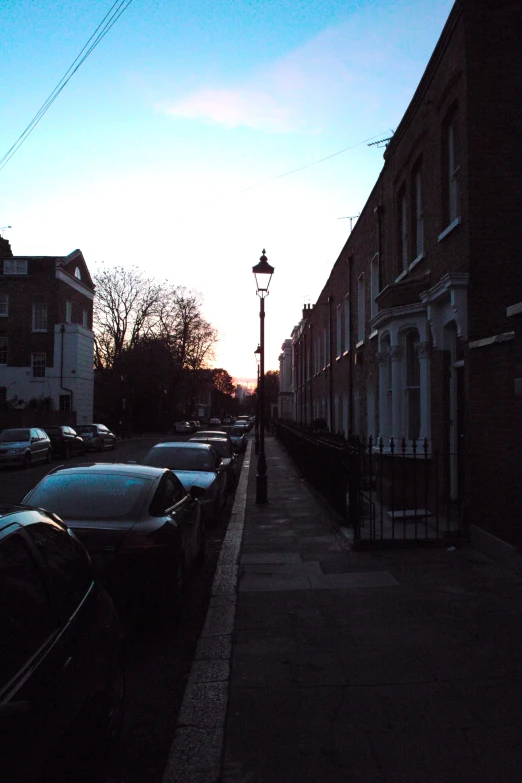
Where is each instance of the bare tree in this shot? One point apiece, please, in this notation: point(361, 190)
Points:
point(126, 308)
point(191, 338)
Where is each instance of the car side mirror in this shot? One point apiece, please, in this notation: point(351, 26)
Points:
point(34, 440)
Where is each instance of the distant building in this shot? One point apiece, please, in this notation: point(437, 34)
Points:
point(286, 395)
point(46, 337)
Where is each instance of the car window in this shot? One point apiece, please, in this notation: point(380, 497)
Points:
point(87, 496)
point(169, 492)
point(26, 618)
point(10, 436)
point(179, 458)
point(67, 561)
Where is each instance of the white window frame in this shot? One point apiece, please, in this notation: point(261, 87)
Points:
point(339, 330)
point(419, 214)
point(361, 309)
point(453, 170)
point(4, 305)
point(39, 317)
point(38, 362)
point(85, 319)
point(15, 266)
point(4, 350)
point(346, 314)
point(68, 311)
point(374, 307)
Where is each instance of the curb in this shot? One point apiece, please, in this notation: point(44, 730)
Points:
point(196, 752)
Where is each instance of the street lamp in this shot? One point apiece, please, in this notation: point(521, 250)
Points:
point(263, 274)
point(257, 354)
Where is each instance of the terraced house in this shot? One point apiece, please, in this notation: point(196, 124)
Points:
point(46, 337)
point(417, 333)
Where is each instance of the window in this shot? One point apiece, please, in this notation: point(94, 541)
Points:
point(4, 304)
point(3, 392)
point(25, 615)
point(39, 362)
point(374, 307)
point(15, 266)
point(3, 350)
point(339, 324)
point(451, 167)
point(402, 231)
point(39, 317)
point(412, 385)
point(346, 308)
point(67, 562)
point(85, 319)
point(418, 215)
point(65, 403)
point(360, 308)
point(385, 390)
point(78, 273)
point(68, 311)
point(326, 352)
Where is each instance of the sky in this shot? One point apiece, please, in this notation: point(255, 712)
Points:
point(171, 147)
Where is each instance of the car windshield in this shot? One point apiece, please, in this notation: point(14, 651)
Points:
point(9, 436)
point(179, 458)
point(222, 447)
point(91, 495)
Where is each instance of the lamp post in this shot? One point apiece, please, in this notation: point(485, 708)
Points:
point(257, 353)
point(263, 274)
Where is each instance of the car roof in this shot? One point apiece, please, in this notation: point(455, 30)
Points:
point(144, 471)
point(11, 512)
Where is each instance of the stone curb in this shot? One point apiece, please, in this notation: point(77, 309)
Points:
point(196, 752)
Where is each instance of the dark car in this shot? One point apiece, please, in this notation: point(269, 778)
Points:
point(65, 441)
point(228, 456)
point(237, 436)
point(25, 446)
point(196, 465)
point(97, 437)
point(140, 526)
point(61, 673)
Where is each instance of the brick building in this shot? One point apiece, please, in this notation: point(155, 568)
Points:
point(46, 337)
point(417, 331)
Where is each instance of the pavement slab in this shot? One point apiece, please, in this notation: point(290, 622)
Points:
point(327, 664)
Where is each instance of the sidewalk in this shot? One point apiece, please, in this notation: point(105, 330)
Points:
point(334, 665)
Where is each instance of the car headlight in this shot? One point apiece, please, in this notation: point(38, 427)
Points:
point(17, 450)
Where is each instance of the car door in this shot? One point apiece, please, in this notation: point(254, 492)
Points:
point(221, 475)
point(31, 665)
point(184, 512)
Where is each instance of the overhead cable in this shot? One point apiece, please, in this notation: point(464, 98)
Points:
point(111, 17)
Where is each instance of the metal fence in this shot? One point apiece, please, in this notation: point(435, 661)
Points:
point(404, 493)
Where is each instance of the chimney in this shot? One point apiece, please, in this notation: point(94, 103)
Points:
point(5, 248)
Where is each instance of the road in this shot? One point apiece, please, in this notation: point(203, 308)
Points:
point(157, 663)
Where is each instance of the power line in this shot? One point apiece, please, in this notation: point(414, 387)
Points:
point(110, 19)
point(293, 171)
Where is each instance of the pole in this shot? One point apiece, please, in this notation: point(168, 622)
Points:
point(256, 447)
point(261, 479)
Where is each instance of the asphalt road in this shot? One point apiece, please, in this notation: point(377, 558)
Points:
point(158, 663)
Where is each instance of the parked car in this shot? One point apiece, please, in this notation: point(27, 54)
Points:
point(196, 465)
point(25, 446)
point(237, 436)
point(214, 434)
point(61, 671)
point(65, 441)
point(214, 422)
point(142, 529)
point(193, 426)
point(182, 427)
point(97, 437)
point(228, 456)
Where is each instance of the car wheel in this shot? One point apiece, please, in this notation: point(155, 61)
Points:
point(49, 456)
point(67, 452)
point(113, 447)
point(27, 461)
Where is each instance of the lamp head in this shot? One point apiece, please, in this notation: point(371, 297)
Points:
point(263, 272)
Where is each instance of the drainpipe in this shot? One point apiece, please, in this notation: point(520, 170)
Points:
point(62, 332)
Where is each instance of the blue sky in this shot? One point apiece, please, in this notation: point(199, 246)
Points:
point(143, 157)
